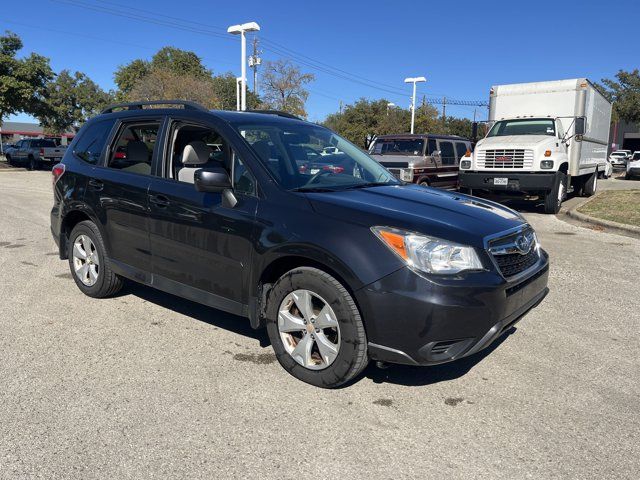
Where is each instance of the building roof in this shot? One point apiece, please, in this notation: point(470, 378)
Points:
point(21, 128)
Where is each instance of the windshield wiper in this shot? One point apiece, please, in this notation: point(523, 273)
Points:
point(313, 189)
point(367, 184)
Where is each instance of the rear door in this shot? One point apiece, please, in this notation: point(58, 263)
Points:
point(197, 240)
point(119, 191)
point(23, 150)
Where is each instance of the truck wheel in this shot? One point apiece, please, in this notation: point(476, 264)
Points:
point(315, 328)
point(89, 264)
point(590, 185)
point(553, 199)
point(424, 182)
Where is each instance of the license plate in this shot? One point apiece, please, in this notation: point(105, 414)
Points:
point(500, 181)
point(314, 171)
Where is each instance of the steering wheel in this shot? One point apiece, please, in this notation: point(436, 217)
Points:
point(313, 179)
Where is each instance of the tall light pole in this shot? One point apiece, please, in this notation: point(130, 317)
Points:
point(241, 30)
point(414, 80)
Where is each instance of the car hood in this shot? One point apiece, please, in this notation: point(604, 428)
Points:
point(514, 141)
point(447, 215)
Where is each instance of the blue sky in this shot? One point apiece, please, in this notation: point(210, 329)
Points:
point(461, 47)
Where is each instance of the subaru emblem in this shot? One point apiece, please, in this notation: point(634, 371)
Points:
point(523, 244)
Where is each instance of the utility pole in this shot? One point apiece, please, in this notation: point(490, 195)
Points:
point(254, 62)
point(444, 110)
point(340, 107)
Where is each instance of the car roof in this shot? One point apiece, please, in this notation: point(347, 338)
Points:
point(419, 136)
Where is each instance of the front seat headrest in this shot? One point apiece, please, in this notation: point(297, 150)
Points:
point(196, 153)
point(137, 152)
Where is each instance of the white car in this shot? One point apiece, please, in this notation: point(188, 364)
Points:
point(633, 166)
point(619, 158)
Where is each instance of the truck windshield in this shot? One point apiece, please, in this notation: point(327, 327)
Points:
point(387, 146)
point(308, 158)
point(525, 126)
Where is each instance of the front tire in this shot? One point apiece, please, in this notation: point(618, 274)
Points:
point(89, 264)
point(553, 199)
point(591, 185)
point(315, 328)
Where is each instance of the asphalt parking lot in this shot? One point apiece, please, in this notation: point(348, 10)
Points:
point(149, 385)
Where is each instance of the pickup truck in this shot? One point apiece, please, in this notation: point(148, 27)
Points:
point(34, 153)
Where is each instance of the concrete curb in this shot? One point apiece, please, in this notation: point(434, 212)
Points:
point(621, 227)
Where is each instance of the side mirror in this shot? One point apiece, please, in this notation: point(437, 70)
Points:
point(214, 180)
point(580, 126)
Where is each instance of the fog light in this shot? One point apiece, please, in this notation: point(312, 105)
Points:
point(464, 164)
point(546, 164)
point(406, 174)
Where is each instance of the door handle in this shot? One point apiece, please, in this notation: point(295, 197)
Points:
point(159, 200)
point(96, 184)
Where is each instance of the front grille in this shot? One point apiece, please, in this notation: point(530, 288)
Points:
point(504, 158)
point(512, 255)
point(395, 172)
point(515, 263)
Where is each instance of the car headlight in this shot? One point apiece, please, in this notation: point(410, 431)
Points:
point(465, 164)
point(406, 174)
point(546, 164)
point(428, 254)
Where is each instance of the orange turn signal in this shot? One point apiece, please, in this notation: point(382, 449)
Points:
point(394, 241)
point(468, 154)
point(547, 153)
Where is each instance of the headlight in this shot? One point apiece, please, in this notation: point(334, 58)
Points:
point(406, 174)
point(428, 254)
point(546, 164)
point(464, 164)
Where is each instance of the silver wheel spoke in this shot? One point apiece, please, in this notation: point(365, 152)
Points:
point(303, 302)
point(328, 350)
point(83, 271)
point(302, 352)
point(287, 322)
point(326, 318)
point(78, 252)
point(93, 273)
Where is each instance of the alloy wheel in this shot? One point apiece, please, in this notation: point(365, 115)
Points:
point(86, 262)
point(309, 329)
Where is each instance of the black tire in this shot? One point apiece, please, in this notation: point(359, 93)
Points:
point(553, 199)
point(627, 176)
point(352, 356)
point(108, 283)
point(590, 185)
point(423, 182)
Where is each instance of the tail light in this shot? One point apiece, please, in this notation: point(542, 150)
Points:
point(333, 168)
point(57, 172)
point(42, 152)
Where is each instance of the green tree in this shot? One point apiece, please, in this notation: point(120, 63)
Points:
point(224, 90)
point(70, 100)
point(283, 87)
point(22, 81)
point(624, 92)
point(126, 76)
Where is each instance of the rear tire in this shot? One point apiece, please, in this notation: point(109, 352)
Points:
point(591, 185)
point(553, 199)
point(349, 334)
point(107, 283)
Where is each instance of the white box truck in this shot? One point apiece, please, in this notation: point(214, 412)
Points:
point(545, 139)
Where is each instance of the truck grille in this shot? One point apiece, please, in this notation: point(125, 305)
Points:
point(515, 253)
point(504, 158)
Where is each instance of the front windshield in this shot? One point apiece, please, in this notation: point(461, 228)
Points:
point(305, 157)
point(397, 146)
point(618, 154)
point(525, 126)
point(636, 156)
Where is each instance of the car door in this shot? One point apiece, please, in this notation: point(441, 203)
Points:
point(22, 150)
point(119, 190)
point(202, 246)
point(447, 175)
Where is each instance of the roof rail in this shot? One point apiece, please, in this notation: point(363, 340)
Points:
point(280, 113)
point(138, 105)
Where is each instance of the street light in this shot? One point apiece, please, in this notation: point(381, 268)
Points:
point(390, 105)
point(414, 80)
point(241, 30)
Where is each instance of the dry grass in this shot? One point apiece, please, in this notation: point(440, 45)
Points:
point(622, 206)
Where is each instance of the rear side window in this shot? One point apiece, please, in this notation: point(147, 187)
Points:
point(447, 154)
point(92, 140)
point(461, 149)
point(133, 150)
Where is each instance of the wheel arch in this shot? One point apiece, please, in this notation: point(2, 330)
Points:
point(70, 219)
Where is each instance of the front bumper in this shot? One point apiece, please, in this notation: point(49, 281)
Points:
point(416, 321)
point(517, 181)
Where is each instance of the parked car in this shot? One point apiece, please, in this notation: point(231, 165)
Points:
point(34, 153)
point(340, 267)
point(425, 159)
point(618, 158)
point(633, 166)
